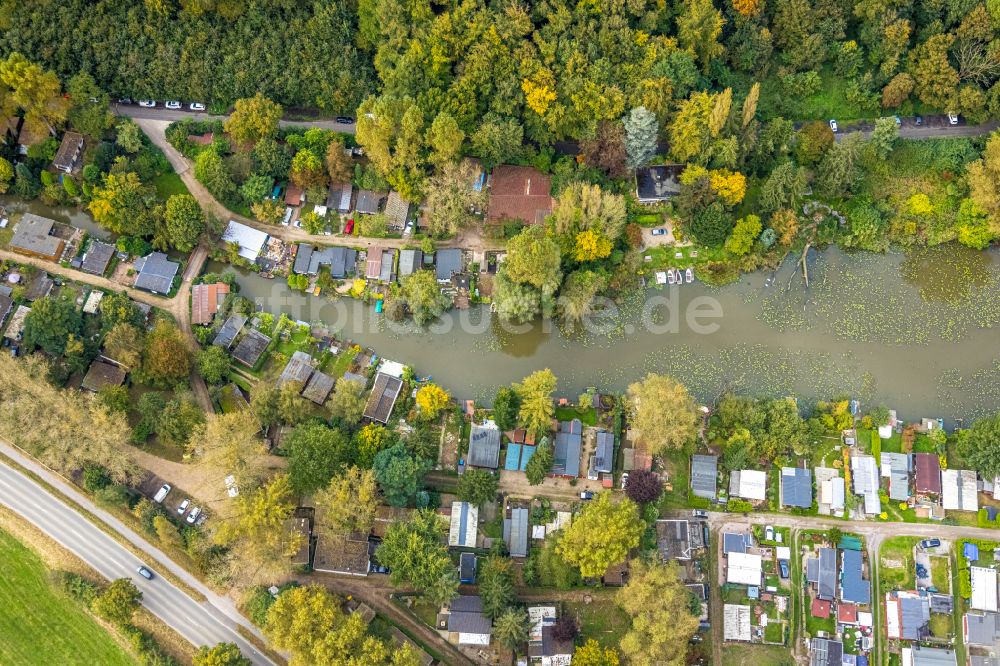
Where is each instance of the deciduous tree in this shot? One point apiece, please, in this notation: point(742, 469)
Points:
point(339, 166)
point(477, 486)
point(452, 199)
point(348, 503)
point(535, 393)
point(118, 603)
point(495, 577)
point(601, 535)
point(315, 454)
point(253, 119)
point(50, 323)
point(222, 654)
point(592, 654)
point(348, 400)
point(698, 29)
point(424, 297)
point(533, 258)
point(413, 551)
point(185, 221)
point(643, 487)
point(511, 627)
point(399, 474)
point(166, 359)
point(663, 412)
point(654, 596)
point(36, 92)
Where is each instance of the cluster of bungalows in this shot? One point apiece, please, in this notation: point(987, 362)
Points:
point(981, 622)
point(757, 601)
point(839, 596)
point(684, 542)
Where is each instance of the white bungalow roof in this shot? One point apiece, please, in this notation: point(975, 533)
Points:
point(984, 589)
point(865, 473)
point(743, 569)
point(751, 484)
point(250, 240)
point(958, 490)
point(736, 622)
point(464, 525)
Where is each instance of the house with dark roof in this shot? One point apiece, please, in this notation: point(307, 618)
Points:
point(342, 554)
point(736, 543)
point(467, 625)
point(382, 398)
point(227, 334)
point(303, 252)
point(519, 193)
point(318, 388)
point(40, 286)
point(551, 651)
point(338, 197)
point(484, 445)
point(982, 629)
point(369, 203)
point(796, 487)
point(410, 261)
point(155, 273)
point(70, 150)
point(447, 262)
point(515, 531)
point(821, 571)
point(97, 258)
point(101, 374)
point(6, 305)
point(704, 476)
point(33, 236)
point(340, 261)
point(298, 369)
point(677, 539)
point(853, 586)
point(657, 182)
point(387, 267)
point(928, 474)
point(206, 299)
point(566, 453)
point(251, 348)
point(604, 456)
point(467, 568)
point(825, 652)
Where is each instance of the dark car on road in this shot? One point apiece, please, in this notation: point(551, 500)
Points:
point(145, 573)
point(345, 120)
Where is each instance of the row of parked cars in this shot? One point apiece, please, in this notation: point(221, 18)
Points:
point(917, 120)
point(172, 105)
point(193, 517)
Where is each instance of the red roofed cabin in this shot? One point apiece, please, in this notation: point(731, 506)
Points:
point(928, 477)
point(519, 193)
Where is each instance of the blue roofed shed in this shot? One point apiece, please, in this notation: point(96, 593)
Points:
point(970, 551)
point(853, 587)
point(796, 487)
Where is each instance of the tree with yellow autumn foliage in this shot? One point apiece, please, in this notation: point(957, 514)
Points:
point(591, 245)
point(431, 399)
point(731, 186)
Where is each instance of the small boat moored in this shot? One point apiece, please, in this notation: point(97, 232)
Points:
point(689, 275)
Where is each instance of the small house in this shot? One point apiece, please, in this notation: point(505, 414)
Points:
point(342, 554)
point(519, 193)
point(227, 334)
point(704, 476)
point(515, 531)
point(397, 210)
point(410, 261)
point(464, 526)
point(369, 203)
point(383, 397)
point(15, 329)
point(467, 564)
point(796, 487)
point(736, 622)
point(466, 623)
point(749, 484)
point(853, 586)
point(373, 265)
point(907, 615)
point(984, 589)
point(447, 262)
point(338, 197)
point(68, 155)
point(928, 474)
point(658, 182)
point(251, 348)
point(33, 236)
point(566, 453)
point(298, 369)
point(744, 569)
point(919, 655)
point(736, 542)
point(602, 462)
point(101, 374)
point(677, 539)
point(294, 196)
point(981, 629)
point(251, 241)
point(484, 445)
point(7, 304)
point(897, 467)
point(97, 258)
point(959, 490)
point(318, 388)
point(206, 299)
point(156, 273)
point(825, 652)
point(864, 472)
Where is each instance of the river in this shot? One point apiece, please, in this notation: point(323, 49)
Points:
point(75, 216)
point(917, 332)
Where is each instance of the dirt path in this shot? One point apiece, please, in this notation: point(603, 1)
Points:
point(156, 131)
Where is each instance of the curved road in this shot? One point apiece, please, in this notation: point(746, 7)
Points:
point(201, 623)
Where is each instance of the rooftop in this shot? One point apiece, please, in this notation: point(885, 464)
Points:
point(382, 398)
point(250, 240)
point(853, 586)
point(466, 616)
point(97, 258)
point(749, 484)
point(796, 487)
point(32, 235)
point(69, 151)
point(102, 374)
point(566, 452)
point(484, 445)
point(155, 273)
point(744, 569)
point(251, 347)
point(519, 193)
point(657, 182)
point(515, 532)
point(206, 300)
point(704, 475)
point(342, 554)
point(736, 622)
point(928, 477)
point(318, 387)
point(446, 262)
point(230, 330)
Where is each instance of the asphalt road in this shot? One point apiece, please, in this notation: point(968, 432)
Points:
point(160, 113)
point(201, 623)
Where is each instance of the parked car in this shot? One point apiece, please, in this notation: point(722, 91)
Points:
point(899, 121)
point(930, 543)
point(161, 493)
point(349, 228)
point(124, 100)
point(145, 573)
point(345, 120)
point(147, 103)
point(918, 120)
point(586, 495)
point(699, 513)
point(183, 506)
point(952, 119)
point(833, 125)
point(783, 567)
point(193, 516)
point(659, 231)
point(196, 106)
point(768, 533)
point(173, 105)
point(624, 480)
point(231, 486)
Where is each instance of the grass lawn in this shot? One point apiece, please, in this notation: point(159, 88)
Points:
point(774, 632)
point(823, 453)
point(756, 655)
point(426, 612)
point(587, 416)
point(815, 624)
point(940, 625)
point(6, 235)
point(940, 576)
point(601, 620)
point(339, 364)
point(664, 256)
point(41, 626)
point(897, 569)
point(168, 184)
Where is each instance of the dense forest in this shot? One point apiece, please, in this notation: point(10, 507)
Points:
point(545, 71)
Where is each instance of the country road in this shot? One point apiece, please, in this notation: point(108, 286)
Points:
point(201, 623)
point(160, 113)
